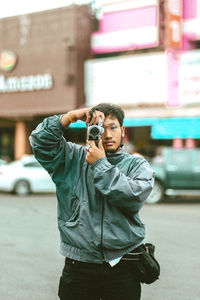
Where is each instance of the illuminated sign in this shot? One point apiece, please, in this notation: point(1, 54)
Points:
point(7, 60)
point(25, 83)
point(192, 19)
point(189, 77)
point(135, 28)
point(121, 80)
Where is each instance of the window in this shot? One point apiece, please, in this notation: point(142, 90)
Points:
point(197, 160)
point(180, 158)
point(34, 164)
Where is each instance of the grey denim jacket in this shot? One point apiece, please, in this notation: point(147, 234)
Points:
point(98, 204)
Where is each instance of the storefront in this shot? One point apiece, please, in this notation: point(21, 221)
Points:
point(41, 71)
point(159, 92)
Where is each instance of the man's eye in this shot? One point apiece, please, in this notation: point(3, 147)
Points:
point(113, 127)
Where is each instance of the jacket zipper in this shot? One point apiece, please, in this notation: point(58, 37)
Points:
point(102, 214)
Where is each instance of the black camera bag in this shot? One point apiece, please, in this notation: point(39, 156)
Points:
point(147, 267)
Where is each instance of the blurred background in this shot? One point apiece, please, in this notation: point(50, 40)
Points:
point(141, 54)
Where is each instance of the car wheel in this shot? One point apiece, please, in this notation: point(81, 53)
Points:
point(156, 194)
point(22, 188)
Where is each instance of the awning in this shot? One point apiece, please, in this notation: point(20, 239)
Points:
point(176, 128)
point(168, 128)
point(128, 122)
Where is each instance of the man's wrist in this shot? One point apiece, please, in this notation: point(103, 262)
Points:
point(67, 119)
point(71, 117)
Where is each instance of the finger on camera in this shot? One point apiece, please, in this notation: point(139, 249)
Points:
point(88, 117)
point(91, 143)
point(97, 117)
point(94, 119)
point(102, 116)
point(100, 144)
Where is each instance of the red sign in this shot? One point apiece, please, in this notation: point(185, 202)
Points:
point(174, 24)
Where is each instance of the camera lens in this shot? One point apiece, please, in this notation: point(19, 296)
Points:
point(94, 131)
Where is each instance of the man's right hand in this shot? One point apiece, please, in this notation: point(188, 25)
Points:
point(83, 115)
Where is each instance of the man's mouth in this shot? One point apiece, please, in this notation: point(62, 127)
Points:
point(109, 143)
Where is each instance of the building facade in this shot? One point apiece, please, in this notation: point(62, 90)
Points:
point(41, 71)
point(146, 58)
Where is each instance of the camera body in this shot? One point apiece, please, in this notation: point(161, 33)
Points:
point(95, 131)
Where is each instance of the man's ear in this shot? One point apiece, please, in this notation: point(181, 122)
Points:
point(123, 131)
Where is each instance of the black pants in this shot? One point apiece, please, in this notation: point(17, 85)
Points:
point(88, 281)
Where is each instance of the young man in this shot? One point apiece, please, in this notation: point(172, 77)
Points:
point(100, 190)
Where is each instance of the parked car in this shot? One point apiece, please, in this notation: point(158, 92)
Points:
point(177, 172)
point(25, 176)
point(2, 162)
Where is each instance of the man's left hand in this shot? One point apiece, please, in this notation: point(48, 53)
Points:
point(94, 153)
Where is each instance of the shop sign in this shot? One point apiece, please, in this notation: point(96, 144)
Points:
point(127, 80)
point(124, 40)
point(173, 63)
point(192, 19)
point(130, 29)
point(25, 83)
point(192, 28)
point(189, 77)
point(174, 23)
point(8, 60)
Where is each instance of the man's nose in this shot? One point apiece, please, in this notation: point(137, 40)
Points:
point(107, 133)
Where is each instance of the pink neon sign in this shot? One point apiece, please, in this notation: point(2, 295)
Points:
point(127, 29)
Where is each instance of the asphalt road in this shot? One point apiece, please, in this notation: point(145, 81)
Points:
point(30, 262)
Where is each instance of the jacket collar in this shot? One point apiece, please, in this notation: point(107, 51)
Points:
point(116, 156)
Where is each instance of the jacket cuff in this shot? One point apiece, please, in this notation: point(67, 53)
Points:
point(101, 163)
point(61, 125)
point(53, 126)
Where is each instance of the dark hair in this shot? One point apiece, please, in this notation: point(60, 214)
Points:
point(111, 109)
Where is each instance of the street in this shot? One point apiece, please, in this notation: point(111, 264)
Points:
point(31, 264)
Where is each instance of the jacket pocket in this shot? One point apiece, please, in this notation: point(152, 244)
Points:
point(73, 220)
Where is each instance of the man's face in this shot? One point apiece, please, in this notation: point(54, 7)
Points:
point(113, 134)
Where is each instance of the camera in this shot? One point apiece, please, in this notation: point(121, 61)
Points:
point(95, 131)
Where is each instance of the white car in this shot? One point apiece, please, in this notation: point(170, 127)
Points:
point(25, 176)
point(2, 162)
